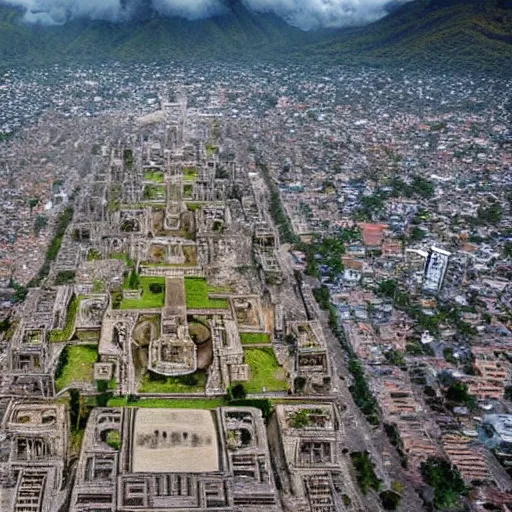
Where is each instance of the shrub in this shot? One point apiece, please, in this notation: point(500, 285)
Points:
point(264, 404)
point(156, 288)
point(445, 480)
point(366, 477)
point(237, 392)
point(390, 500)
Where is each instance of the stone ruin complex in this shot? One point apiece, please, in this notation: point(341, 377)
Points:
point(169, 272)
point(312, 467)
point(175, 459)
point(33, 456)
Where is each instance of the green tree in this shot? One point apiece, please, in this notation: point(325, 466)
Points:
point(74, 408)
point(134, 280)
point(492, 213)
point(458, 392)
point(390, 499)
point(417, 234)
point(446, 482)
point(423, 187)
point(32, 203)
point(40, 223)
point(20, 291)
point(507, 249)
point(237, 392)
point(365, 474)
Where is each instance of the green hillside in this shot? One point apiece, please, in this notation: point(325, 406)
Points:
point(448, 34)
point(239, 33)
point(444, 34)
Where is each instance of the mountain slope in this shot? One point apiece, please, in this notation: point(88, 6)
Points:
point(443, 34)
point(240, 33)
point(449, 34)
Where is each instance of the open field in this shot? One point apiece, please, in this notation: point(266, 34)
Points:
point(254, 338)
point(193, 383)
point(265, 372)
point(67, 332)
point(154, 192)
point(197, 290)
point(160, 403)
point(149, 299)
point(77, 366)
point(189, 173)
point(154, 175)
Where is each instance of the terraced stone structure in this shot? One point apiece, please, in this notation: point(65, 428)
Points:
point(175, 459)
point(33, 448)
point(176, 288)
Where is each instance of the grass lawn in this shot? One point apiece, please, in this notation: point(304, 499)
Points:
point(253, 338)
point(211, 149)
point(148, 299)
point(93, 255)
point(157, 403)
point(192, 207)
point(265, 371)
point(189, 173)
point(67, 332)
point(154, 175)
point(153, 383)
point(122, 256)
point(76, 365)
point(154, 192)
point(197, 290)
point(188, 189)
point(75, 440)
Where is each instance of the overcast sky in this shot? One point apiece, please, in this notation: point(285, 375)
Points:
point(306, 14)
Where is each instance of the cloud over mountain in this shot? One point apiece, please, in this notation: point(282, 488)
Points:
point(306, 14)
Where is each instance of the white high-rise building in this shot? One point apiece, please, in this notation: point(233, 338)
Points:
point(435, 269)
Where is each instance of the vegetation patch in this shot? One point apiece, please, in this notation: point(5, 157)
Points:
point(65, 277)
point(254, 338)
point(197, 291)
point(161, 403)
point(66, 333)
point(98, 286)
point(93, 255)
point(122, 256)
point(114, 439)
point(154, 192)
point(390, 499)
point(394, 438)
point(211, 149)
point(276, 208)
point(63, 221)
point(154, 175)
point(362, 394)
point(188, 189)
point(446, 482)
point(365, 474)
point(265, 372)
point(192, 207)
point(155, 383)
point(189, 173)
point(263, 404)
point(91, 336)
point(128, 158)
point(76, 366)
point(153, 294)
point(304, 418)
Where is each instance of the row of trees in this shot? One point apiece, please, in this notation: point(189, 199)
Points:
point(277, 211)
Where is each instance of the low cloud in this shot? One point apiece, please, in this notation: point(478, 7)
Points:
point(311, 14)
point(306, 14)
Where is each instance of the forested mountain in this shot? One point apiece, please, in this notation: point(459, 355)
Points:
point(474, 34)
point(449, 34)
